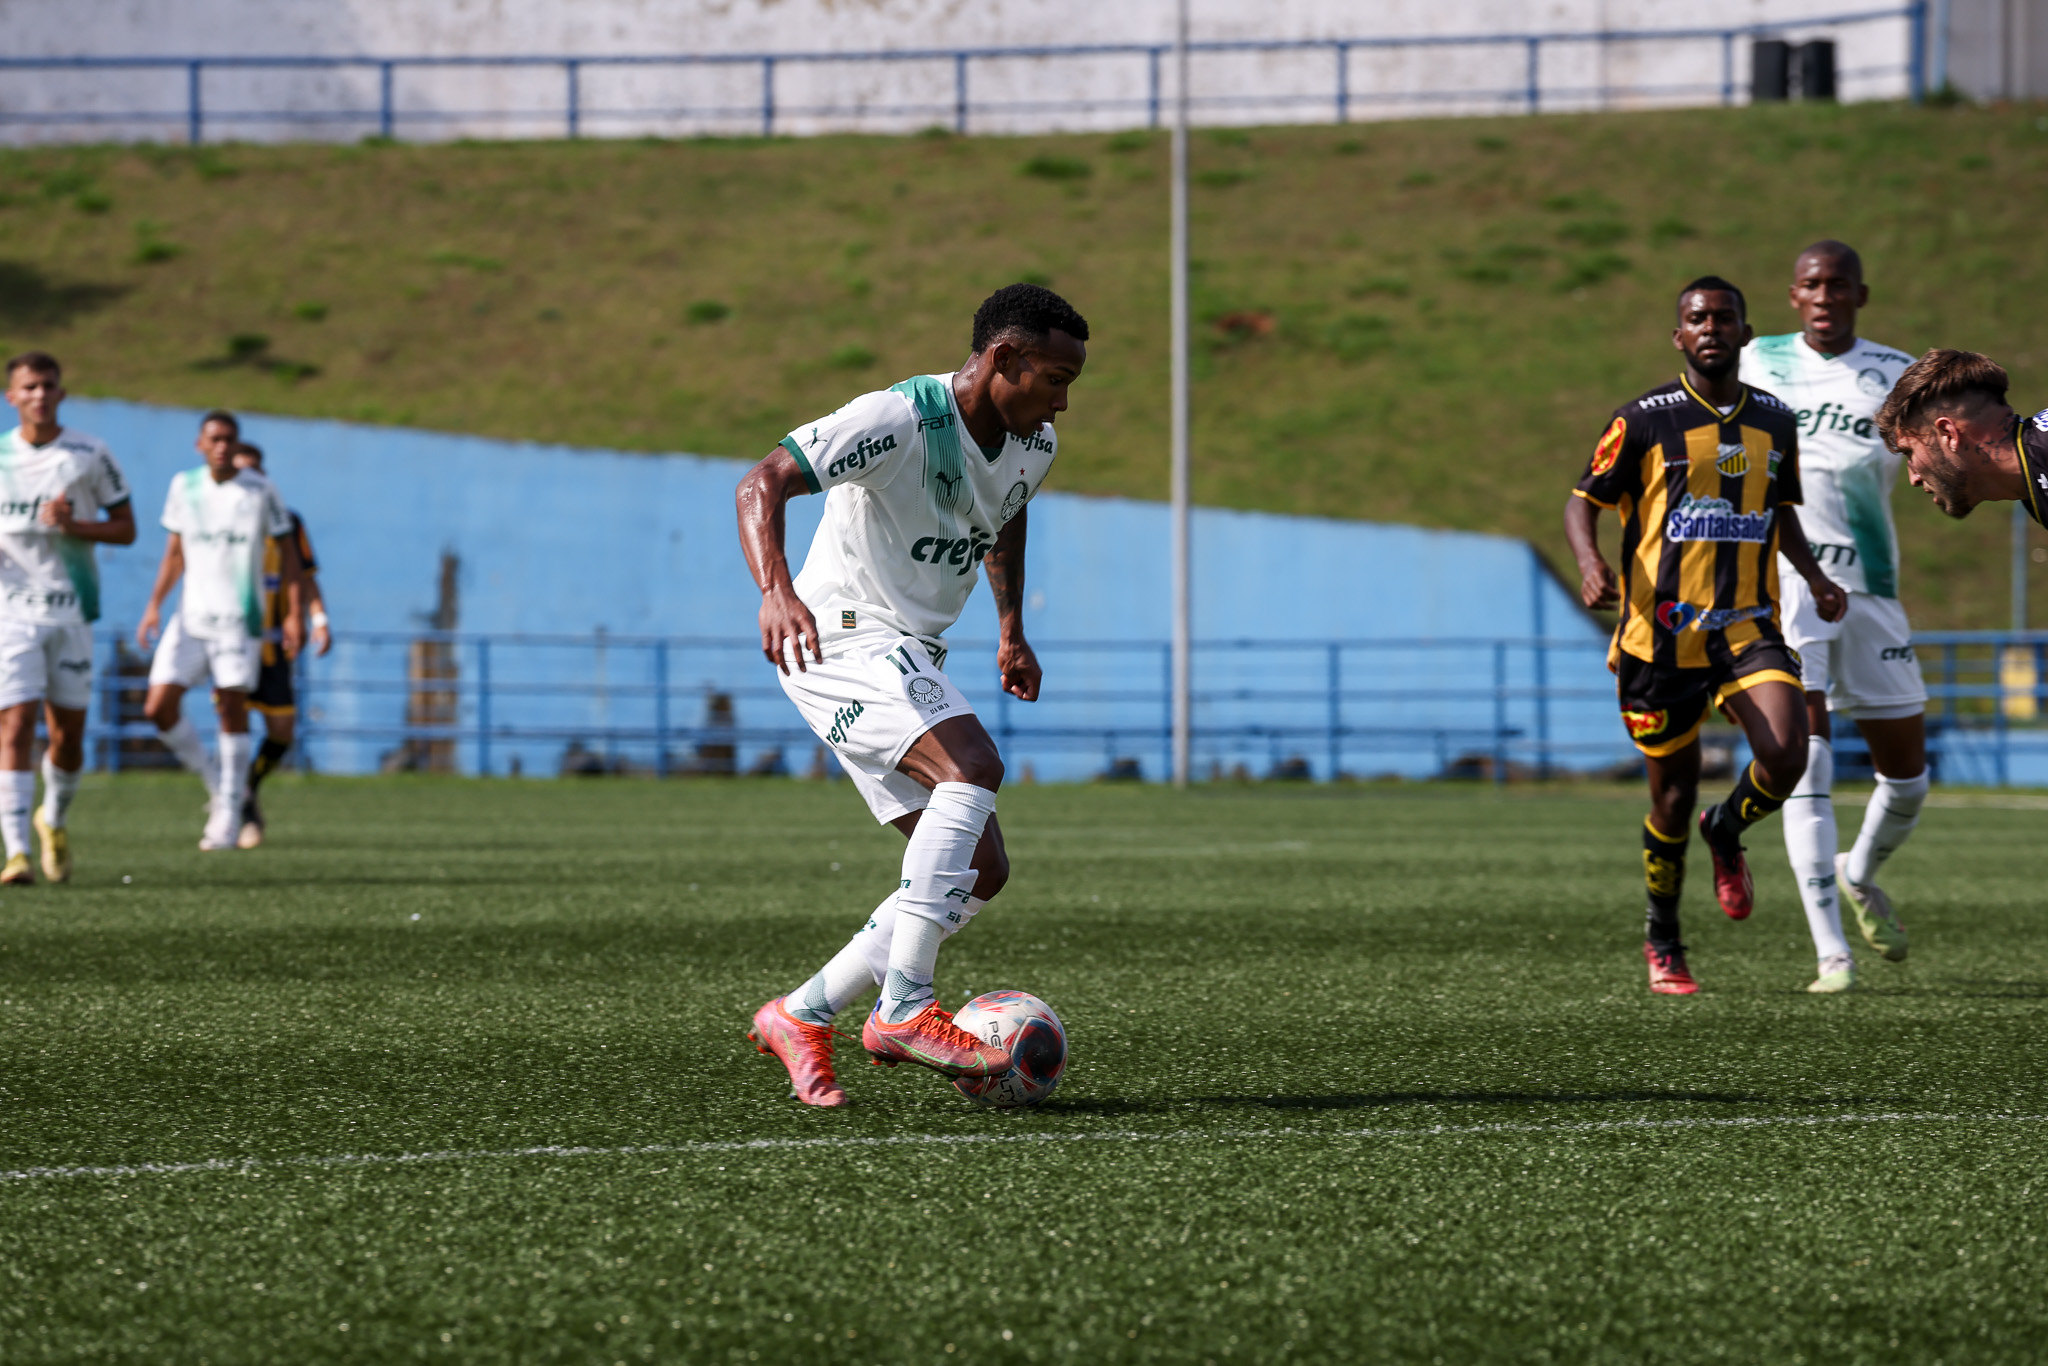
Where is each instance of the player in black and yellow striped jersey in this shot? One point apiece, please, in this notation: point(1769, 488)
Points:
point(1705, 474)
point(275, 693)
point(1963, 443)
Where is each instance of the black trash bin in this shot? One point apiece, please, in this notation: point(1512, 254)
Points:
point(1770, 70)
point(1816, 63)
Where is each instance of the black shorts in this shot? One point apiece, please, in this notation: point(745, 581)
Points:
point(1664, 707)
point(273, 693)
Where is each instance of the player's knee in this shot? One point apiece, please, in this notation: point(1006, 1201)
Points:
point(991, 871)
point(162, 712)
point(980, 767)
point(1783, 763)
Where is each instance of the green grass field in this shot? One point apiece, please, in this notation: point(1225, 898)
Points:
point(1421, 322)
point(1358, 1075)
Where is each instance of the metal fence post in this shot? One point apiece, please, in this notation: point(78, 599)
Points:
point(384, 109)
point(1727, 70)
point(1500, 712)
point(483, 708)
point(1535, 92)
point(195, 126)
point(1152, 87)
point(661, 709)
point(767, 97)
point(110, 712)
point(573, 69)
point(1336, 712)
point(1343, 82)
point(1539, 663)
point(1166, 704)
point(1916, 49)
point(960, 93)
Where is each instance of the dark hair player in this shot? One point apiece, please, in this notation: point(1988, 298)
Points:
point(1705, 474)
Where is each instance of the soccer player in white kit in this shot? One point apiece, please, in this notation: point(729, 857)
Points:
point(60, 494)
point(923, 482)
point(221, 519)
point(1862, 665)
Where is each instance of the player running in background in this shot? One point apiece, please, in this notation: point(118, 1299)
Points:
point(1862, 665)
point(60, 494)
point(1963, 443)
point(220, 520)
point(274, 693)
point(1705, 473)
point(927, 480)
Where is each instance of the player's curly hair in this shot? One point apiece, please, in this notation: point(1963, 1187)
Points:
point(1715, 282)
point(1025, 312)
point(1944, 380)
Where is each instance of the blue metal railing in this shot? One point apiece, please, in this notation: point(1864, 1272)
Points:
point(770, 112)
point(1495, 708)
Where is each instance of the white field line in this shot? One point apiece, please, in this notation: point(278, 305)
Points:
point(750, 1145)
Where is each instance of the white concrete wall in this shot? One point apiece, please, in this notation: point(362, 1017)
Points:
point(1040, 93)
point(1998, 49)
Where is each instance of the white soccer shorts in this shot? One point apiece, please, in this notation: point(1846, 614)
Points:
point(187, 660)
point(43, 662)
point(872, 697)
point(1864, 662)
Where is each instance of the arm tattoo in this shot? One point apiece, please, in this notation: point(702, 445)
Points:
point(1005, 566)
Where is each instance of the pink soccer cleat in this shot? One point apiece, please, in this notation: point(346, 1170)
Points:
point(805, 1049)
point(931, 1039)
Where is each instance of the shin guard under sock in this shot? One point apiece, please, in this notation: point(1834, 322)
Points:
point(1749, 803)
point(269, 758)
point(1664, 877)
point(1810, 847)
point(1893, 812)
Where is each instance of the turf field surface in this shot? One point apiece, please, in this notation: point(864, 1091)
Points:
point(454, 1070)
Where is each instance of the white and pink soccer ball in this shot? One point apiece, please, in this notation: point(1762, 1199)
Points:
point(1035, 1039)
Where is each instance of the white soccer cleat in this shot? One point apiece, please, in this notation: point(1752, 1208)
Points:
point(221, 830)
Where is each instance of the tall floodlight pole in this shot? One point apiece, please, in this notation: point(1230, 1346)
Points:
point(1183, 641)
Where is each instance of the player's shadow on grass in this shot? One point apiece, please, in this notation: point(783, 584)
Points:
point(31, 298)
point(1391, 1100)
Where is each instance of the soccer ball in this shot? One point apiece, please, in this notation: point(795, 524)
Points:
point(1035, 1039)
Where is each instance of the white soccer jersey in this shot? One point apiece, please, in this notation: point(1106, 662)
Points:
point(911, 507)
point(46, 577)
point(1848, 472)
point(224, 527)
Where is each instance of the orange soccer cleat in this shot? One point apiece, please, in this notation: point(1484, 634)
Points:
point(805, 1049)
point(1733, 887)
point(1668, 974)
point(931, 1039)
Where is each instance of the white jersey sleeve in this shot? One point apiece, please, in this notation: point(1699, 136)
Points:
point(104, 480)
point(176, 507)
point(277, 518)
point(866, 442)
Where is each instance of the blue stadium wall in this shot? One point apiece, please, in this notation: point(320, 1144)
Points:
point(1405, 622)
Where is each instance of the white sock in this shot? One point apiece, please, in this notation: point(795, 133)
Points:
point(183, 741)
point(851, 971)
point(1810, 840)
point(937, 895)
point(60, 785)
point(1893, 812)
point(17, 800)
point(234, 775)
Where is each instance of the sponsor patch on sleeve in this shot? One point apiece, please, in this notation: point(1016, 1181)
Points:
point(1609, 449)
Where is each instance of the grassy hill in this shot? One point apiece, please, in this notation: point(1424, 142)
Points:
point(1418, 322)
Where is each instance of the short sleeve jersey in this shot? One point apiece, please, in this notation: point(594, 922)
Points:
point(1698, 492)
point(1848, 470)
point(912, 505)
point(273, 575)
point(2031, 441)
point(225, 528)
point(46, 577)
